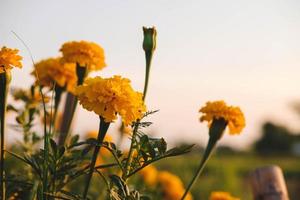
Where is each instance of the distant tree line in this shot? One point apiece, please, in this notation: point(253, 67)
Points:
point(277, 139)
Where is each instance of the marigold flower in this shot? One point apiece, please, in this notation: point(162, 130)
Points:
point(52, 70)
point(86, 54)
point(9, 59)
point(218, 109)
point(149, 175)
point(222, 196)
point(108, 97)
point(172, 186)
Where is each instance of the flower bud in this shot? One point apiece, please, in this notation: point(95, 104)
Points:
point(149, 43)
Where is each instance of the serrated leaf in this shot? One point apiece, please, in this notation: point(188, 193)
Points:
point(179, 150)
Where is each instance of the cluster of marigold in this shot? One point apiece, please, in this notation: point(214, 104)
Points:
point(109, 97)
point(105, 96)
point(172, 186)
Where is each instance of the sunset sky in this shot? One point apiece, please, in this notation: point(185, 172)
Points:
point(245, 52)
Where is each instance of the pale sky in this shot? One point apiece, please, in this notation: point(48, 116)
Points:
point(245, 52)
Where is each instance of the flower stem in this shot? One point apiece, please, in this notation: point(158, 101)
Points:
point(130, 155)
point(58, 92)
point(70, 106)
point(4, 85)
point(209, 148)
point(148, 56)
point(46, 149)
point(101, 134)
point(216, 131)
point(136, 127)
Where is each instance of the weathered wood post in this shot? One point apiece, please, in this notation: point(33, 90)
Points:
point(268, 184)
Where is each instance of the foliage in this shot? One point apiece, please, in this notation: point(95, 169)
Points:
point(68, 163)
point(275, 139)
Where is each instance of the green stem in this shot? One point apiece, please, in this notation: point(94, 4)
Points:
point(148, 56)
point(70, 106)
point(209, 148)
point(101, 134)
point(46, 149)
point(51, 111)
point(58, 92)
point(130, 155)
point(4, 84)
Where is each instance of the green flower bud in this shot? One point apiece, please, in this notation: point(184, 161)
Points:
point(149, 43)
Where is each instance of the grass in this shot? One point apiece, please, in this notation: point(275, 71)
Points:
point(230, 172)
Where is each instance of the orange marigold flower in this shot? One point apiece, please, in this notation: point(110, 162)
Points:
point(172, 186)
point(52, 70)
point(9, 59)
point(218, 195)
point(218, 109)
point(149, 175)
point(108, 97)
point(86, 54)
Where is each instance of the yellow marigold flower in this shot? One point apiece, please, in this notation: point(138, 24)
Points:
point(172, 186)
point(52, 70)
point(86, 54)
point(222, 196)
point(232, 115)
point(108, 97)
point(149, 175)
point(9, 59)
point(167, 179)
point(176, 194)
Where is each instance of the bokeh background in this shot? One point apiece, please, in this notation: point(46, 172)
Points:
point(245, 52)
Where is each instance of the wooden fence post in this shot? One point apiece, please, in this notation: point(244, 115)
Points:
point(268, 184)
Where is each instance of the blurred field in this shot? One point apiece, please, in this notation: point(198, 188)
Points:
point(229, 173)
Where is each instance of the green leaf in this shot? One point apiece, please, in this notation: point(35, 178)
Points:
point(53, 146)
point(179, 150)
point(74, 140)
point(122, 188)
point(61, 151)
